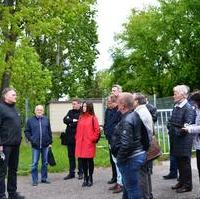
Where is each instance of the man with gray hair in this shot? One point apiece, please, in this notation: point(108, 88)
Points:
point(180, 142)
point(146, 117)
point(10, 139)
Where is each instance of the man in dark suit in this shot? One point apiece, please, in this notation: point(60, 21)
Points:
point(180, 142)
point(71, 120)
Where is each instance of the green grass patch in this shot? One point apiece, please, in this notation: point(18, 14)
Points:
point(60, 153)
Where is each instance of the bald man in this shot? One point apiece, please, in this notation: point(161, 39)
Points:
point(38, 132)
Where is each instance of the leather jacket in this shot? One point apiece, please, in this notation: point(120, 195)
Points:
point(127, 139)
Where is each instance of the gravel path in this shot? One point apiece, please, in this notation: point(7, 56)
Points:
point(71, 189)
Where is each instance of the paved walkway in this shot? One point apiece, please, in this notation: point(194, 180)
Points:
point(71, 189)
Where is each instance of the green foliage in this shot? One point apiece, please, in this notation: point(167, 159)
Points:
point(160, 48)
point(48, 48)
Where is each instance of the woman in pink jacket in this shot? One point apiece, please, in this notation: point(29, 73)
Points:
point(87, 134)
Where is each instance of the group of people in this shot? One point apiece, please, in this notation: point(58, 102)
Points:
point(129, 129)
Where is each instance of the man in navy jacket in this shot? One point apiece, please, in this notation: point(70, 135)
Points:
point(38, 132)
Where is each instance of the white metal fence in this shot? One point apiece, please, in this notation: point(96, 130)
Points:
point(161, 129)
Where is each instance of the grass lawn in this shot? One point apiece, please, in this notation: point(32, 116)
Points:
point(60, 154)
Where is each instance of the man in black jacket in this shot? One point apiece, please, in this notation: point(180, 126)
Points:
point(71, 120)
point(106, 128)
point(10, 139)
point(127, 146)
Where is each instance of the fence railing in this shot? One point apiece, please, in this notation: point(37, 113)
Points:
point(161, 129)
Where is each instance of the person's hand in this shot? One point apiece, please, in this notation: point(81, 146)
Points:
point(50, 146)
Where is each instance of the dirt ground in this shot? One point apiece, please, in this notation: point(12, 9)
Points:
point(71, 189)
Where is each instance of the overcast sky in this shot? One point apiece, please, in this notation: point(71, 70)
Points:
point(110, 17)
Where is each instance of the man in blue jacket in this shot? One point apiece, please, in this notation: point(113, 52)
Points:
point(38, 132)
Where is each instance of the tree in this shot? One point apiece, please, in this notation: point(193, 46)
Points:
point(161, 46)
point(60, 36)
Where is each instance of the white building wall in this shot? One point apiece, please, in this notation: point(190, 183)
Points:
point(58, 110)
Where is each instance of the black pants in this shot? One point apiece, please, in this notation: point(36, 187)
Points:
point(72, 160)
point(88, 166)
point(198, 161)
point(185, 171)
point(10, 164)
point(114, 171)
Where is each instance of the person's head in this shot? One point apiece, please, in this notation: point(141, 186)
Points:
point(76, 104)
point(113, 99)
point(87, 107)
point(116, 90)
point(39, 110)
point(195, 98)
point(181, 92)
point(9, 95)
point(139, 99)
point(109, 102)
point(125, 102)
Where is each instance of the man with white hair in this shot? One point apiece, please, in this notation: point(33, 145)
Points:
point(38, 132)
point(180, 142)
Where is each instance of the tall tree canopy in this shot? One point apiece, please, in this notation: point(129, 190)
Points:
point(48, 47)
point(160, 48)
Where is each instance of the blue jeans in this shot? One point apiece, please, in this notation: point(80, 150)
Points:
point(35, 159)
point(130, 170)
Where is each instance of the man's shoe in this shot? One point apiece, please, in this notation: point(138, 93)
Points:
point(69, 176)
point(169, 176)
point(16, 196)
point(80, 176)
point(177, 186)
point(112, 181)
point(113, 187)
point(45, 182)
point(183, 189)
point(118, 189)
point(34, 183)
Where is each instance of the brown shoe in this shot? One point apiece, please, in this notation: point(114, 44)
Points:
point(177, 186)
point(118, 189)
point(113, 187)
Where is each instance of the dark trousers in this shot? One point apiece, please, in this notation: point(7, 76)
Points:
point(173, 166)
point(72, 160)
point(145, 180)
point(114, 171)
point(88, 166)
point(10, 164)
point(198, 161)
point(185, 171)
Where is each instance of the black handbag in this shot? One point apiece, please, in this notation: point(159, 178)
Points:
point(63, 138)
point(51, 159)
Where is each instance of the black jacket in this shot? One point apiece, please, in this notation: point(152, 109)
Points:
point(39, 136)
point(127, 139)
point(114, 120)
point(107, 120)
point(71, 125)
point(10, 128)
point(180, 142)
